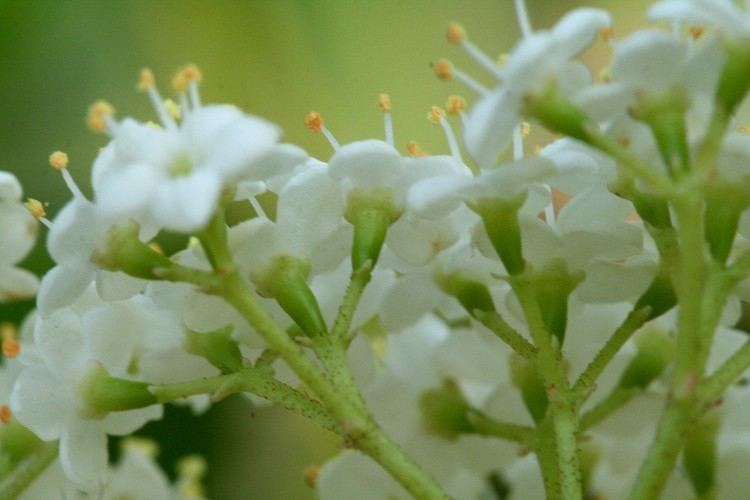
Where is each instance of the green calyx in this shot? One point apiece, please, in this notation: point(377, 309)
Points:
point(371, 212)
point(664, 113)
point(557, 113)
point(734, 81)
point(101, 394)
point(699, 454)
point(660, 295)
point(285, 280)
point(725, 203)
point(553, 285)
point(125, 252)
point(525, 377)
point(655, 351)
point(217, 347)
point(445, 411)
point(472, 294)
point(500, 219)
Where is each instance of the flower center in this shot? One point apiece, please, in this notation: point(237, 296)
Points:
point(180, 166)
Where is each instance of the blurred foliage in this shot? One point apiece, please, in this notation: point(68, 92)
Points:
point(275, 58)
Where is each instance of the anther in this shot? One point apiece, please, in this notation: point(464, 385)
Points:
point(10, 345)
point(455, 33)
point(172, 109)
point(59, 161)
point(187, 79)
point(525, 129)
point(311, 475)
point(314, 122)
point(606, 34)
point(146, 80)
point(455, 105)
point(5, 414)
point(445, 70)
point(384, 105)
point(99, 116)
point(696, 31)
point(35, 208)
point(744, 129)
point(437, 116)
point(414, 150)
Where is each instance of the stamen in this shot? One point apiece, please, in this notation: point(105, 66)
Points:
point(10, 345)
point(696, 31)
point(456, 105)
point(99, 117)
point(744, 129)
point(258, 208)
point(147, 83)
point(173, 109)
point(384, 104)
point(187, 80)
point(311, 474)
point(59, 161)
point(523, 18)
point(456, 34)
point(314, 121)
point(36, 209)
point(445, 70)
point(517, 143)
point(5, 414)
point(605, 74)
point(437, 116)
point(415, 151)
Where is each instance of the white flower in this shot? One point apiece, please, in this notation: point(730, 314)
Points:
point(46, 397)
point(17, 236)
point(726, 15)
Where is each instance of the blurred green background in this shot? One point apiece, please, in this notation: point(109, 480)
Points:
point(275, 58)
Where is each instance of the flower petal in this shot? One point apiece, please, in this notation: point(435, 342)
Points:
point(185, 204)
point(368, 162)
point(490, 125)
point(83, 453)
point(41, 401)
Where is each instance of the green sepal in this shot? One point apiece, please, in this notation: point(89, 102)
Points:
point(699, 454)
point(725, 203)
point(553, 285)
point(525, 377)
point(500, 219)
point(660, 295)
point(101, 394)
point(285, 280)
point(734, 81)
point(664, 113)
point(16, 443)
point(217, 347)
point(445, 411)
point(371, 212)
point(472, 294)
point(125, 252)
point(556, 112)
point(655, 350)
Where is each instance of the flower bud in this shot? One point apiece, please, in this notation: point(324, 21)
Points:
point(473, 295)
point(500, 218)
point(699, 454)
point(655, 352)
point(371, 212)
point(101, 393)
point(725, 203)
point(524, 375)
point(444, 411)
point(125, 252)
point(285, 280)
point(218, 347)
point(734, 81)
point(553, 285)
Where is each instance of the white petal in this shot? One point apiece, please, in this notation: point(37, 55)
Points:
point(58, 338)
point(367, 162)
point(437, 197)
point(83, 453)
point(42, 402)
point(649, 59)
point(490, 125)
point(17, 284)
point(75, 233)
point(113, 333)
point(577, 29)
point(122, 423)
point(507, 181)
point(61, 286)
point(721, 13)
point(632, 278)
point(277, 161)
point(185, 204)
point(417, 240)
point(117, 285)
point(10, 188)
point(403, 307)
point(127, 191)
point(18, 231)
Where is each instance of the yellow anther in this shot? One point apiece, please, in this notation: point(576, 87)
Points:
point(314, 121)
point(414, 150)
point(525, 129)
point(537, 150)
point(5, 414)
point(146, 80)
point(97, 116)
point(443, 69)
point(156, 247)
point(744, 129)
point(696, 31)
point(605, 74)
point(384, 103)
point(185, 76)
point(142, 446)
point(455, 33)
point(10, 345)
point(173, 109)
point(502, 59)
point(35, 208)
point(606, 33)
point(311, 475)
point(455, 105)
point(436, 114)
point(58, 160)
point(192, 466)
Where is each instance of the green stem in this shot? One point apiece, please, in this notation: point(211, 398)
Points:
point(714, 386)
point(587, 380)
point(546, 454)
point(487, 426)
point(615, 400)
point(28, 470)
point(497, 325)
point(259, 382)
point(359, 280)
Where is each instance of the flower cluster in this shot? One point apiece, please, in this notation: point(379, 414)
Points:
point(502, 321)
